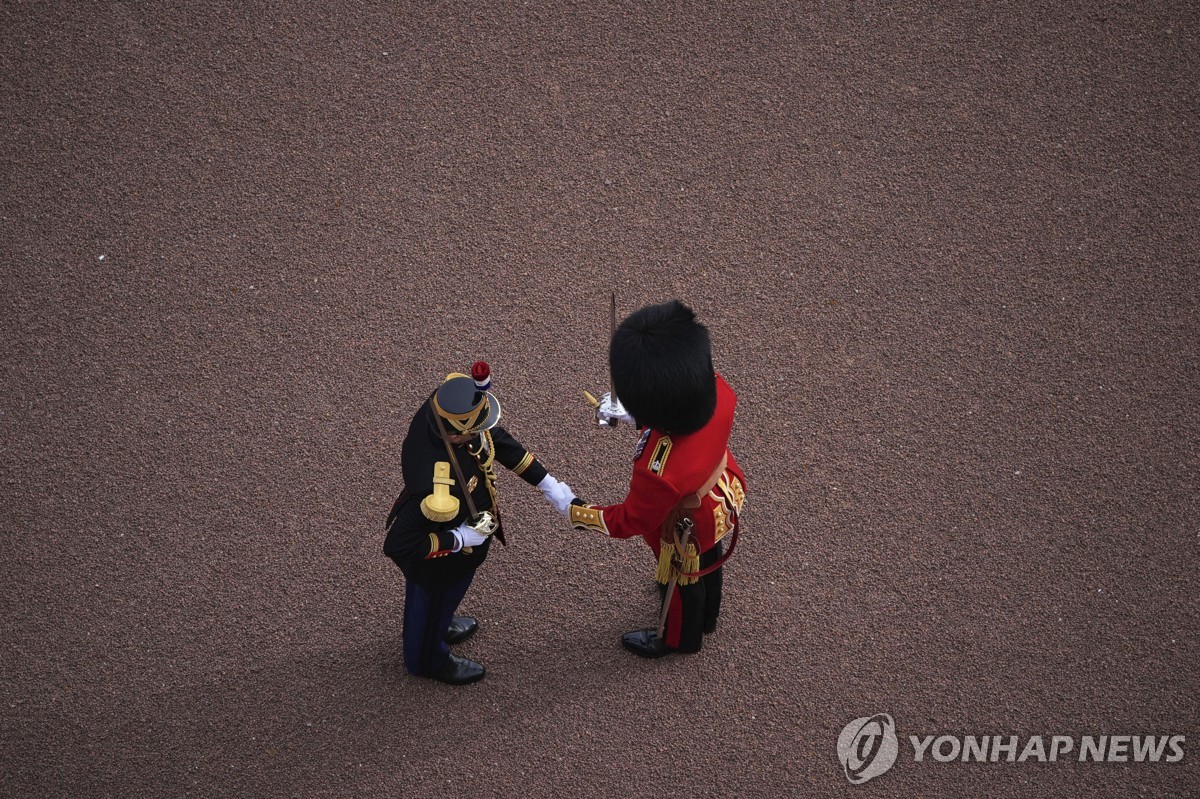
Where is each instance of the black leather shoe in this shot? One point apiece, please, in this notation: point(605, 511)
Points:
point(460, 671)
point(461, 628)
point(645, 643)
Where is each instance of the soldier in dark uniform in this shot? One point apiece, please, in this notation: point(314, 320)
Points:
point(660, 360)
point(431, 534)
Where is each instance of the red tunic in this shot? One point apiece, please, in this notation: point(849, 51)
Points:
point(668, 468)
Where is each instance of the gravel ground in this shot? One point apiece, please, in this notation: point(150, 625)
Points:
point(948, 259)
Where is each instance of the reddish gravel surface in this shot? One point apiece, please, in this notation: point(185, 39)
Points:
point(948, 259)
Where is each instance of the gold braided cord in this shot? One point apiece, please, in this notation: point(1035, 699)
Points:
point(487, 465)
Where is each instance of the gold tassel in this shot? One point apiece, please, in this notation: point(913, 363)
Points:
point(691, 564)
point(665, 553)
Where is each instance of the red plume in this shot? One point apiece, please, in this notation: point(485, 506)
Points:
point(482, 374)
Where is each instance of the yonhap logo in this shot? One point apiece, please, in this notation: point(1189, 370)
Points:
point(868, 747)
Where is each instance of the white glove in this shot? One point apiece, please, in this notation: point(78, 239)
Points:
point(557, 494)
point(612, 411)
point(468, 536)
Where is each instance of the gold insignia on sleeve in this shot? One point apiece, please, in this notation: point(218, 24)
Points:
point(735, 492)
point(474, 481)
point(658, 458)
point(524, 464)
point(728, 497)
point(729, 492)
point(720, 521)
point(586, 517)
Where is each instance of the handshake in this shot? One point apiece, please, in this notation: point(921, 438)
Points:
point(557, 494)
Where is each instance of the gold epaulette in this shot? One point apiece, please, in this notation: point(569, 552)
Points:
point(440, 506)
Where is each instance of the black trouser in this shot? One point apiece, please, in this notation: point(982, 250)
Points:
point(428, 611)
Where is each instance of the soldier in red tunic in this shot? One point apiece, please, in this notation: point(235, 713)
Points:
point(684, 477)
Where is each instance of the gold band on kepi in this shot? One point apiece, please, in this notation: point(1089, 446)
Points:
point(464, 406)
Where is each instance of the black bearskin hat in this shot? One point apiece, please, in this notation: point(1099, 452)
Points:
point(661, 363)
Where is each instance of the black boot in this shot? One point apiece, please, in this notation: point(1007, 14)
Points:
point(461, 628)
point(645, 643)
point(460, 671)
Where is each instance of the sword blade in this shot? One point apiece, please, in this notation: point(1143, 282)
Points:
point(612, 331)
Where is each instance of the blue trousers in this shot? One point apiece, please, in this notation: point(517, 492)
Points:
point(428, 611)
